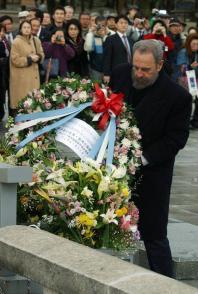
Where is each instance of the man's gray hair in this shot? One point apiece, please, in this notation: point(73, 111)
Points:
point(150, 46)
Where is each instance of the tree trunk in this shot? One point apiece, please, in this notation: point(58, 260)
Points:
point(50, 5)
point(3, 4)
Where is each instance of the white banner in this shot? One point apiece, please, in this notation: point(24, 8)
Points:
point(79, 136)
point(192, 82)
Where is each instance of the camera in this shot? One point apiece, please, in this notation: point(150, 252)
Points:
point(141, 21)
point(58, 38)
point(159, 32)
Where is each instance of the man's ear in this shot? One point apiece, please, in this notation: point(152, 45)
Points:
point(159, 65)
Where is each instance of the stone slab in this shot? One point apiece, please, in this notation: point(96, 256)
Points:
point(66, 267)
point(184, 241)
point(15, 174)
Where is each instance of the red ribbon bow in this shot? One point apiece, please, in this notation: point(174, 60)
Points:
point(104, 105)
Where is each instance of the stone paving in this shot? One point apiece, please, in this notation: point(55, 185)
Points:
point(184, 196)
point(183, 222)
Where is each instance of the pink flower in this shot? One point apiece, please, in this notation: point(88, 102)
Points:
point(132, 169)
point(137, 152)
point(84, 81)
point(125, 222)
point(136, 235)
point(58, 90)
point(75, 96)
point(65, 93)
point(37, 95)
point(61, 105)
point(116, 149)
point(124, 150)
point(48, 105)
point(52, 156)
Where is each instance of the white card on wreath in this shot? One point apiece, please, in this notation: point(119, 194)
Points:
point(79, 136)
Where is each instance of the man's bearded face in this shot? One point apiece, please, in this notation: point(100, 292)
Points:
point(145, 70)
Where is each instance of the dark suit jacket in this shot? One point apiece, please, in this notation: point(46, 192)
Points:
point(44, 35)
point(115, 53)
point(163, 115)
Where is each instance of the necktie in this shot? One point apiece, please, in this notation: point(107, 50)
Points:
point(127, 48)
point(9, 40)
point(140, 34)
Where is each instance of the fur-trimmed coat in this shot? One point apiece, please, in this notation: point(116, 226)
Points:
point(24, 74)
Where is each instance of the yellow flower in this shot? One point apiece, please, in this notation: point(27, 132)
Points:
point(88, 233)
point(122, 211)
point(21, 152)
point(114, 186)
point(125, 192)
point(24, 200)
point(86, 219)
point(34, 145)
point(34, 219)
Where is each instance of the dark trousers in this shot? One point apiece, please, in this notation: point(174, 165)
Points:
point(159, 256)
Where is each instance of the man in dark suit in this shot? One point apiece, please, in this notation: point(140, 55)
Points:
point(38, 31)
point(7, 21)
point(162, 109)
point(117, 48)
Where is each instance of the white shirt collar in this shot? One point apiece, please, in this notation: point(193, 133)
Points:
point(121, 35)
point(38, 34)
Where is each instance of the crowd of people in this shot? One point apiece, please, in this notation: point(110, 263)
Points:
point(45, 46)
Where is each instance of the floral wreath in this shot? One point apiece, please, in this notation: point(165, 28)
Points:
point(86, 200)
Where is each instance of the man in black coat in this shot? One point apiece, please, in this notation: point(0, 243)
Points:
point(162, 109)
point(117, 48)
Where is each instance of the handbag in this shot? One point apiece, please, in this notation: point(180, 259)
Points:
point(50, 67)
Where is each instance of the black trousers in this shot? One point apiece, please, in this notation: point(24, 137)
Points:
point(159, 256)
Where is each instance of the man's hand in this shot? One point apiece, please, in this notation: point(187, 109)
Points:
point(163, 31)
point(92, 28)
point(194, 64)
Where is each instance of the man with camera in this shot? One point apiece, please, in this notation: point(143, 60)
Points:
point(137, 30)
point(94, 42)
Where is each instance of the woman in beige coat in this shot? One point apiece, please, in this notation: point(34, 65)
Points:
point(26, 53)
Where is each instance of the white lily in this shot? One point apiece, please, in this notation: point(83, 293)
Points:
point(119, 173)
point(109, 217)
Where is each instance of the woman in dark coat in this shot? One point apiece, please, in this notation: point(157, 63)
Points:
point(79, 63)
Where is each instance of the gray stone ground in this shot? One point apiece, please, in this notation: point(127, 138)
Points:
point(183, 225)
point(184, 204)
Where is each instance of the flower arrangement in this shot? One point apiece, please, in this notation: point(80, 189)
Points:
point(84, 200)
